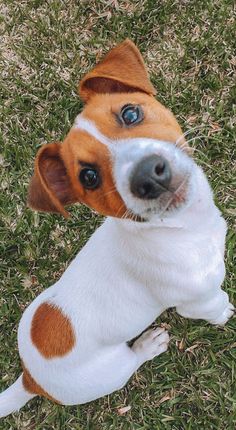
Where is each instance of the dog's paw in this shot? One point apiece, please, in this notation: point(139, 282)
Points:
point(225, 316)
point(151, 343)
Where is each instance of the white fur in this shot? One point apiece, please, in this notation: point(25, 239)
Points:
point(125, 277)
point(89, 126)
point(12, 399)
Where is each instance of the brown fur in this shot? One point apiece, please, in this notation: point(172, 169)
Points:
point(33, 387)
point(50, 188)
point(80, 146)
point(158, 123)
point(122, 70)
point(51, 332)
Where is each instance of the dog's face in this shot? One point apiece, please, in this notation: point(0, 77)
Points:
point(124, 156)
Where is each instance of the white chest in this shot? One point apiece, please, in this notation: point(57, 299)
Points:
point(176, 265)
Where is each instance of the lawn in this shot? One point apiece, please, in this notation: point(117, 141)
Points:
point(45, 48)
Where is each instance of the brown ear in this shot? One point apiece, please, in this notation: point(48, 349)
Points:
point(50, 188)
point(122, 70)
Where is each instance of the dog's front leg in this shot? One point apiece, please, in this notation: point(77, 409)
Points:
point(215, 309)
point(112, 366)
point(119, 369)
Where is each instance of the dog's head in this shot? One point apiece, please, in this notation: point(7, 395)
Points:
point(125, 155)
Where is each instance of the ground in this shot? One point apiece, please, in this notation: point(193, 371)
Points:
point(45, 48)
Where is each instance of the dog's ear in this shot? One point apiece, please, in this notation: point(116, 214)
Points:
point(122, 70)
point(50, 187)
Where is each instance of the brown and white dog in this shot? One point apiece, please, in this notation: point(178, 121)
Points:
point(162, 244)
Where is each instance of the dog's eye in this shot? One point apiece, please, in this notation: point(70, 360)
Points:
point(89, 178)
point(131, 114)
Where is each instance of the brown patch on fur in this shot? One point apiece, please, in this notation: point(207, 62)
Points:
point(33, 387)
point(52, 332)
point(78, 147)
point(158, 123)
point(56, 178)
point(122, 70)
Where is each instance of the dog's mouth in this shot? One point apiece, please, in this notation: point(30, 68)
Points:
point(175, 198)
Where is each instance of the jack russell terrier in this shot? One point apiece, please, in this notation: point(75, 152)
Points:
point(161, 246)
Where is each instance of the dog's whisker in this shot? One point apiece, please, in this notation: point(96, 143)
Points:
point(191, 130)
point(183, 146)
point(130, 214)
point(125, 214)
point(187, 142)
point(111, 191)
point(195, 138)
point(174, 193)
point(118, 212)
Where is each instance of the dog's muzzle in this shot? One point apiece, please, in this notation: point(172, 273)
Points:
point(150, 177)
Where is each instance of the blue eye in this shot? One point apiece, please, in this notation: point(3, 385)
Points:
point(131, 114)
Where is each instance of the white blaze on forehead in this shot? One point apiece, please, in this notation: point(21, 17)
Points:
point(130, 150)
point(89, 126)
point(142, 143)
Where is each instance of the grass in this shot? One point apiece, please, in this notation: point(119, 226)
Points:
point(45, 48)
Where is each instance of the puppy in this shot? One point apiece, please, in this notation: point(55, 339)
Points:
point(161, 246)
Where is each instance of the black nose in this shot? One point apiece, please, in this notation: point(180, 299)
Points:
point(150, 177)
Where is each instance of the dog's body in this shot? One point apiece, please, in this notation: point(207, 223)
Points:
point(73, 337)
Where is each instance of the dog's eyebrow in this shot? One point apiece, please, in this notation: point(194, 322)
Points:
point(87, 164)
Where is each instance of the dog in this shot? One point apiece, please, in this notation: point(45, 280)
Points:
point(161, 245)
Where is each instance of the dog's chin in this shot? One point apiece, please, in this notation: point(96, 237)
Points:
point(174, 208)
point(153, 214)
